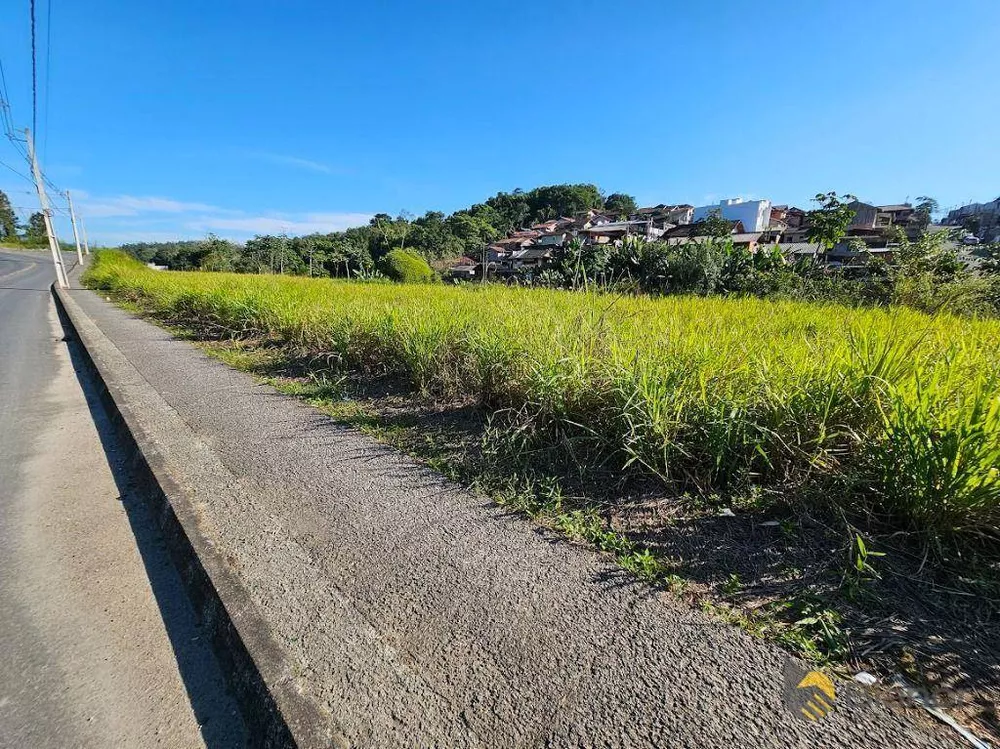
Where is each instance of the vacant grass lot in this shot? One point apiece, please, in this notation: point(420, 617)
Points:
point(893, 414)
point(824, 477)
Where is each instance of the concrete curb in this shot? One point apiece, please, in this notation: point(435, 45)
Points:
point(257, 671)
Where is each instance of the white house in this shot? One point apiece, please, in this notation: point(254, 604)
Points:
point(755, 214)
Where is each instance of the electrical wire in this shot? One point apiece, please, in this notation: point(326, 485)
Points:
point(19, 174)
point(8, 123)
point(47, 77)
point(34, 74)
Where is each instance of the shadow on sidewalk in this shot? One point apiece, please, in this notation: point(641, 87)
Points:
point(214, 707)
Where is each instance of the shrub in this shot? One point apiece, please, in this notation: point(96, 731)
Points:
point(406, 266)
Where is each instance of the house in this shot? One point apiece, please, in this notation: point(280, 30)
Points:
point(552, 225)
point(865, 216)
point(980, 219)
point(526, 259)
point(555, 239)
point(608, 232)
point(749, 240)
point(791, 217)
point(587, 219)
point(794, 251)
point(696, 232)
point(464, 268)
point(755, 214)
point(794, 235)
point(895, 215)
point(503, 247)
point(845, 255)
point(663, 214)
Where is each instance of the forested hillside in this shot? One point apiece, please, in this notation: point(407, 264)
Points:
point(434, 235)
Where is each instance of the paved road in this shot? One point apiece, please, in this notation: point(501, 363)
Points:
point(417, 614)
point(98, 646)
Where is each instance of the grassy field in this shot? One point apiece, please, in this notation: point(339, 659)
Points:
point(890, 413)
point(824, 477)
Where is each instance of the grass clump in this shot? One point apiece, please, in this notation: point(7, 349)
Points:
point(892, 414)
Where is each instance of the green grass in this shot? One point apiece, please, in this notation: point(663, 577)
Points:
point(889, 414)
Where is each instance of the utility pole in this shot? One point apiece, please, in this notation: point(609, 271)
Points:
point(61, 277)
point(76, 234)
point(86, 246)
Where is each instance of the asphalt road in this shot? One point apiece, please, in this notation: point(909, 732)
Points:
point(98, 644)
point(417, 614)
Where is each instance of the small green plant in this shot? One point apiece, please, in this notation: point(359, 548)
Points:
point(859, 571)
point(732, 585)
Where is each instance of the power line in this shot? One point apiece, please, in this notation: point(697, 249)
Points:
point(34, 75)
point(8, 123)
point(19, 174)
point(47, 75)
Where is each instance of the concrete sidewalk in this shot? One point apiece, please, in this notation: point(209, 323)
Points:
point(403, 611)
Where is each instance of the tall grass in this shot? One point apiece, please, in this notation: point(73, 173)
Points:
point(890, 411)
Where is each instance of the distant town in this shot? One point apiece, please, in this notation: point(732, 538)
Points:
point(873, 231)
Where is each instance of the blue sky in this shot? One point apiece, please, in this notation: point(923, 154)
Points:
point(174, 119)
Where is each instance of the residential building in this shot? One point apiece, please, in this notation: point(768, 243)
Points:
point(607, 232)
point(755, 215)
point(695, 231)
point(530, 258)
point(865, 215)
point(895, 215)
point(791, 217)
point(503, 247)
point(663, 214)
point(981, 219)
point(464, 268)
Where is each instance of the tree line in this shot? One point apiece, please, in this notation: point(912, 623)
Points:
point(13, 232)
point(359, 251)
point(926, 273)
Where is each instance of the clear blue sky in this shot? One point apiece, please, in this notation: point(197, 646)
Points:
point(173, 119)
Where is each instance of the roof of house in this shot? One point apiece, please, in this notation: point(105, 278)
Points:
point(510, 243)
point(531, 253)
point(661, 208)
point(895, 208)
point(697, 229)
point(748, 237)
point(614, 226)
point(798, 248)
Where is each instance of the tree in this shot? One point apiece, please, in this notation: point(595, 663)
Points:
point(8, 219)
point(620, 204)
point(36, 226)
point(925, 208)
point(218, 254)
point(473, 228)
point(828, 223)
point(715, 226)
point(552, 201)
point(431, 235)
point(512, 210)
